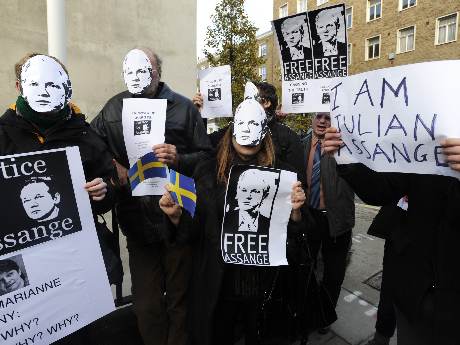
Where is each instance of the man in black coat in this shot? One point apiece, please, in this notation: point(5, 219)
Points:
point(159, 260)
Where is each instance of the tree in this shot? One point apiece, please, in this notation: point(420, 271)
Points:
point(231, 40)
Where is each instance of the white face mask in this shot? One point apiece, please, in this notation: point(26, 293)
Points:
point(250, 123)
point(251, 91)
point(137, 71)
point(45, 85)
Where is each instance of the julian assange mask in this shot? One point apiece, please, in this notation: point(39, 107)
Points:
point(249, 123)
point(137, 71)
point(251, 91)
point(45, 85)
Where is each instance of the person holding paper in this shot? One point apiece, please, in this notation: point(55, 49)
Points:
point(221, 292)
point(426, 289)
point(160, 260)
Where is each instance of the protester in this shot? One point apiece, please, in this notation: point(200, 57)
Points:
point(223, 292)
point(160, 261)
point(426, 287)
point(287, 143)
point(331, 203)
point(43, 118)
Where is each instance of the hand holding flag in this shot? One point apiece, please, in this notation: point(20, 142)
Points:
point(182, 190)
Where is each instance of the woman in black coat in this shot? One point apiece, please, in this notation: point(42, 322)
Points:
point(223, 292)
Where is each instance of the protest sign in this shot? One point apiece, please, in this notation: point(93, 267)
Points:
point(52, 275)
point(252, 233)
point(216, 89)
point(393, 119)
point(143, 127)
point(313, 49)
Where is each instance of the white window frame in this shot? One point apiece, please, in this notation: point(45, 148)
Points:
point(349, 53)
point(368, 11)
point(398, 36)
point(280, 10)
point(261, 50)
point(321, 2)
point(436, 38)
point(366, 45)
point(346, 22)
point(261, 75)
point(403, 9)
point(299, 10)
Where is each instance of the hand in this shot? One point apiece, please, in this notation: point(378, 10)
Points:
point(97, 189)
point(170, 208)
point(122, 172)
point(166, 153)
point(198, 101)
point(297, 200)
point(451, 148)
point(332, 140)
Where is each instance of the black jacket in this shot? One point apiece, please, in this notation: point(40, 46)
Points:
point(140, 217)
point(18, 135)
point(209, 270)
point(339, 197)
point(429, 259)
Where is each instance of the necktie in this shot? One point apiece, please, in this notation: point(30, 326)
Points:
point(315, 177)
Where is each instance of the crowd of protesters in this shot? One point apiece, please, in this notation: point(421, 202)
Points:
point(183, 292)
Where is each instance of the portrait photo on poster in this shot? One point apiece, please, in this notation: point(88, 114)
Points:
point(249, 200)
point(142, 127)
point(294, 38)
point(214, 94)
point(38, 203)
point(13, 274)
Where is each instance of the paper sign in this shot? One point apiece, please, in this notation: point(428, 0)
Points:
point(144, 126)
point(52, 275)
point(393, 119)
point(216, 89)
point(256, 216)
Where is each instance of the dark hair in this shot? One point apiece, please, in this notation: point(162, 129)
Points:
point(41, 179)
point(8, 265)
point(267, 92)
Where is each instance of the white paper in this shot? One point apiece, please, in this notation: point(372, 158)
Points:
point(216, 89)
point(393, 119)
point(256, 216)
point(65, 285)
point(143, 127)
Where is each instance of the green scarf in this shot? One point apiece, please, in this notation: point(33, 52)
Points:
point(42, 121)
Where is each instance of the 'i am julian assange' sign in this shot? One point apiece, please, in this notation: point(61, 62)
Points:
point(393, 119)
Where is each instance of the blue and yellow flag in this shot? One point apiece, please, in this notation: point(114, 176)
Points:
point(182, 189)
point(146, 167)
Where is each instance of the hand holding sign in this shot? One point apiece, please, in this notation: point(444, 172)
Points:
point(97, 189)
point(297, 200)
point(332, 140)
point(451, 148)
point(166, 153)
point(198, 101)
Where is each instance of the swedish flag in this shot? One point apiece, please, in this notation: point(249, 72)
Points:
point(183, 191)
point(146, 167)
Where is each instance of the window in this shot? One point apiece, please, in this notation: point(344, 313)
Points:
point(283, 10)
point(349, 17)
point(349, 53)
point(263, 73)
point(446, 29)
point(373, 48)
point(262, 50)
point(406, 40)
point(320, 2)
point(374, 9)
point(403, 4)
point(301, 6)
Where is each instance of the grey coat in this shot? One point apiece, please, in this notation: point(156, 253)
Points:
point(338, 196)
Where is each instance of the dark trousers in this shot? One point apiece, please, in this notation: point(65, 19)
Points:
point(160, 275)
point(334, 251)
point(228, 313)
point(386, 316)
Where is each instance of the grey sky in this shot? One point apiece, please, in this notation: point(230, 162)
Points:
point(260, 12)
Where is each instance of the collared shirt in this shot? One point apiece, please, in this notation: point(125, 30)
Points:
point(330, 49)
point(314, 142)
point(247, 222)
point(296, 54)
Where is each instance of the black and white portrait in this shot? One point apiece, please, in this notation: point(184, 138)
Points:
point(326, 99)
point(328, 32)
point(137, 71)
point(250, 123)
point(298, 98)
point(294, 38)
point(214, 94)
point(38, 202)
point(142, 127)
point(13, 274)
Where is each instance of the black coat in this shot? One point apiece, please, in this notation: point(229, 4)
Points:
point(208, 266)
point(140, 217)
point(428, 260)
point(17, 135)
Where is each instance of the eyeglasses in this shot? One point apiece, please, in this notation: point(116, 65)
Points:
point(326, 117)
